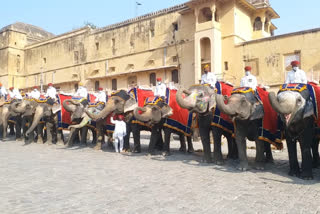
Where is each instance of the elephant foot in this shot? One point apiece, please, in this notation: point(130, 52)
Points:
point(259, 166)
point(98, 146)
point(69, 145)
point(218, 160)
point(136, 151)
point(294, 172)
point(166, 153)
point(50, 142)
point(19, 139)
point(190, 150)
point(39, 141)
point(206, 160)
point(306, 176)
point(232, 156)
point(60, 143)
point(182, 149)
point(243, 166)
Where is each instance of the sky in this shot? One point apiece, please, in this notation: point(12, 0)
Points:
point(60, 16)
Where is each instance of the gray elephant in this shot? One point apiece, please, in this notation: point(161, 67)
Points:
point(161, 115)
point(297, 111)
point(8, 113)
point(201, 100)
point(120, 102)
point(247, 112)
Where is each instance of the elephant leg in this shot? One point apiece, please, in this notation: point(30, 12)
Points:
point(100, 133)
point(84, 134)
point(260, 158)
point(49, 126)
point(18, 128)
point(11, 128)
point(40, 133)
point(60, 140)
point(293, 159)
point(190, 145)
point(1, 131)
point(268, 152)
point(315, 153)
point(183, 146)
point(153, 140)
point(72, 136)
point(305, 147)
point(136, 138)
point(159, 140)
point(242, 152)
point(232, 147)
point(126, 145)
point(217, 154)
point(204, 128)
point(166, 147)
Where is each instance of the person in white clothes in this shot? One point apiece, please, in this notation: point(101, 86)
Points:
point(249, 80)
point(51, 92)
point(160, 88)
point(296, 75)
point(208, 77)
point(120, 131)
point(101, 96)
point(3, 91)
point(35, 93)
point(14, 93)
point(83, 93)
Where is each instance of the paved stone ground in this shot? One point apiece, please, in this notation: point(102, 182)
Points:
point(51, 179)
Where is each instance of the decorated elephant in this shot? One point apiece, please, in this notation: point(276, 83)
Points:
point(120, 102)
point(48, 114)
point(201, 100)
point(7, 114)
point(254, 120)
point(297, 106)
point(166, 115)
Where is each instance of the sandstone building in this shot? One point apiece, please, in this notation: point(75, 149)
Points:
point(173, 43)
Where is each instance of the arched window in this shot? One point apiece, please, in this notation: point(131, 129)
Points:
point(114, 84)
point(257, 25)
point(205, 15)
point(175, 76)
point(153, 79)
point(96, 85)
point(76, 86)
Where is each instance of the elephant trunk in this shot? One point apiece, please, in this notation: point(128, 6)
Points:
point(69, 107)
point(84, 122)
point(181, 101)
point(276, 105)
point(144, 117)
point(110, 107)
point(36, 119)
point(225, 108)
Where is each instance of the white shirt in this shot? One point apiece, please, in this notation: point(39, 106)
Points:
point(209, 78)
point(249, 81)
point(35, 94)
point(160, 90)
point(51, 92)
point(298, 76)
point(120, 129)
point(101, 97)
point(15, 94)
point(3, 91)
point(81, 92)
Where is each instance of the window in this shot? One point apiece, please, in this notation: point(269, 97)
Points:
point(18, 63)
point(175, 59)
point(288, 58)
point(254, 64)
point(175, 76)
point(114, 84)
point(76, 57)
point(76, 86)
point(152, 32)
point(226, 66)
point(112, 69)
point(114, 46)
point(257, 25)
point(44, 60)
point(153, 79)
point(205, 15)
point(96, 85)
point(175, 26)
point(97, 45)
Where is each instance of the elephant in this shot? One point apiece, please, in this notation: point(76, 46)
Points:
point(201, 100)
point(8, 113)
point(296, 110)
point(247, 112)
point(47, 113)
point(120, 102)
point(79, 120)
point(156, 114)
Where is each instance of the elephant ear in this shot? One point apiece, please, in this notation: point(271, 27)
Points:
point(257, 112)
point(130, 105)
point(212, 102)
point(166, 111)
point(55, 108)
point(308, 110)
